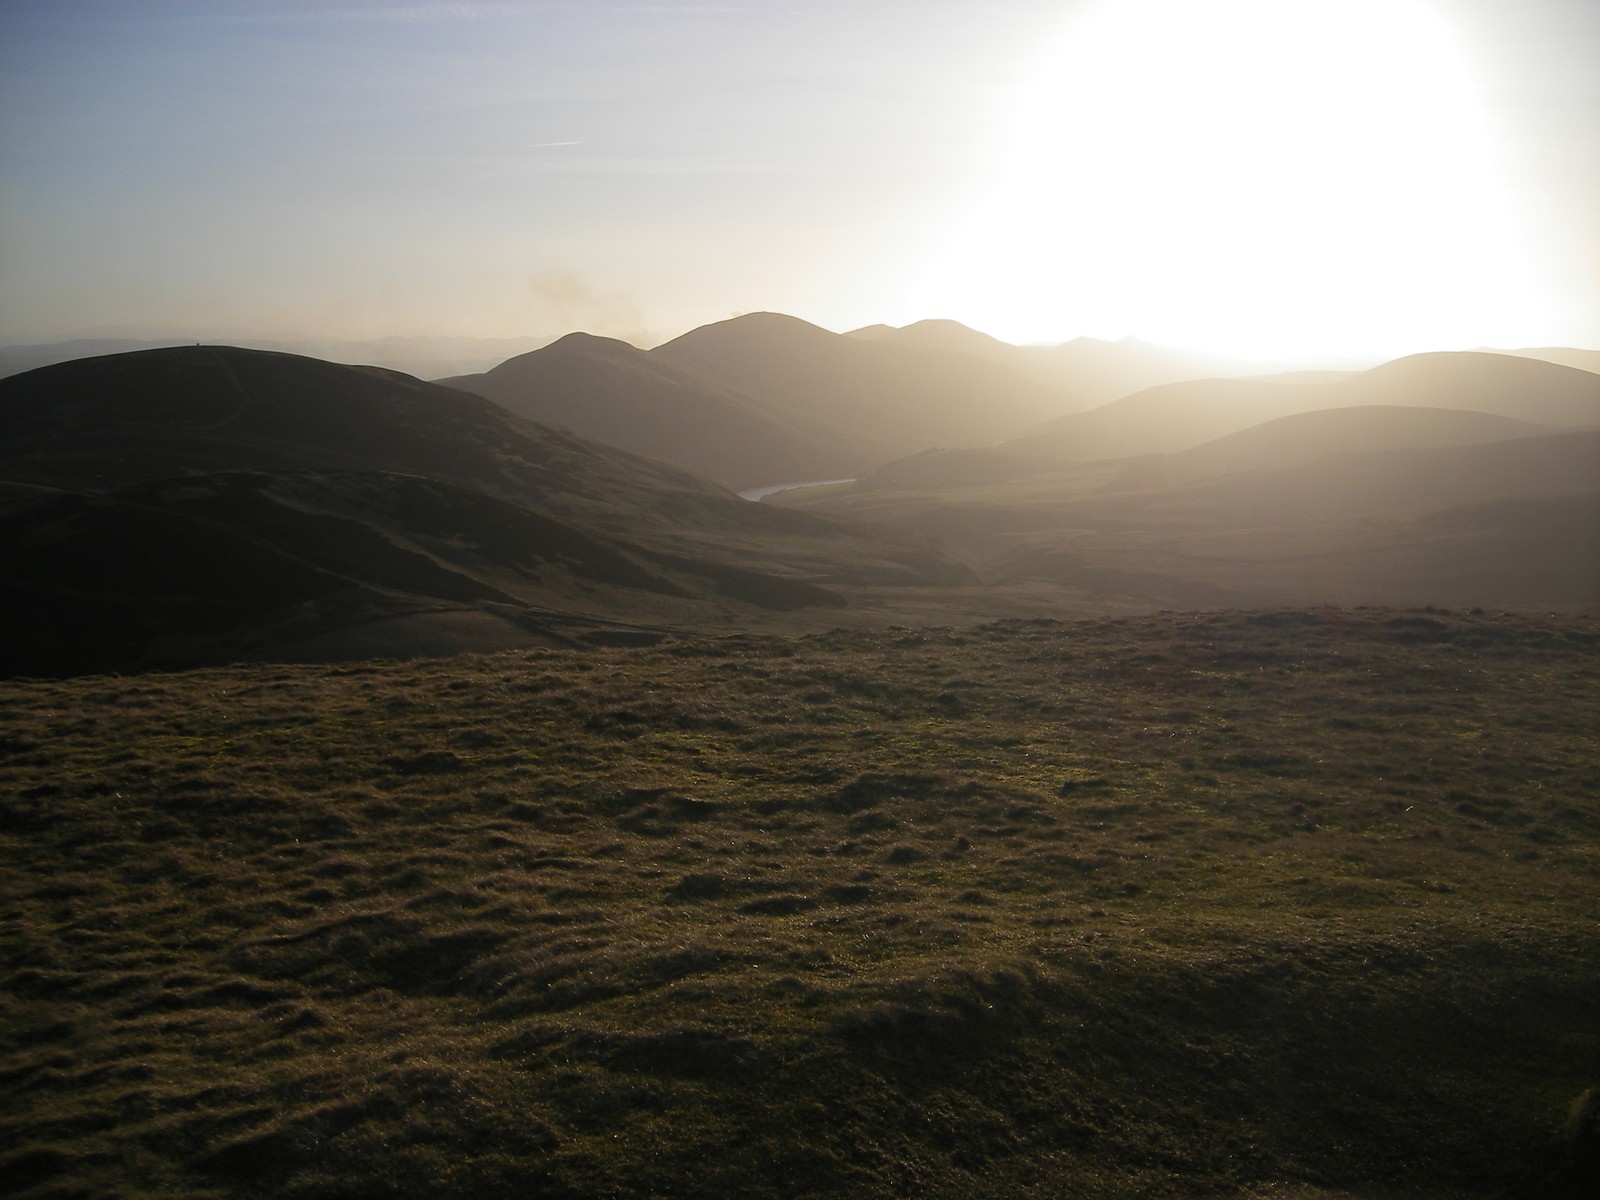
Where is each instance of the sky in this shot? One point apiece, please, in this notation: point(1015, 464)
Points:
point(1269, 178)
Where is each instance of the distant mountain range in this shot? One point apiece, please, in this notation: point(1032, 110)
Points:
point(1090, 371)
point(609, 391)
point(1176, 416)
point(766, 399)
point(1451, 479)
point(193, 504)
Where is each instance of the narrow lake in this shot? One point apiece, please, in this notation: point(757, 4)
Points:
point(762, 493)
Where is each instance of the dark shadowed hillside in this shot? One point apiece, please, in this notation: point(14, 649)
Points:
point(611, 392)
point(125, 418)
point(421, 356)
point(195, 504)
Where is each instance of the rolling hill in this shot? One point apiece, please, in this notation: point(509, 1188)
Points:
point(421, 356)
point(886, 399)
point(1354, 506)
point(1282, 441)
point(1567, 356)
point(608, 391)
point(766, 399)
point(663, 899)
point(1086, 371)
point(1303, 437)
point(201, 504)
point(949, 336)
point(1178, 416)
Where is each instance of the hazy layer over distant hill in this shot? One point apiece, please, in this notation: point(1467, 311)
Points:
point(1087, 371)
point(1566, 356)
point(1282, 441)
point(1180, 415)
point(873, 395)
point(195, 504)
point(768, 399)
point(1303, 437)
point(1367, 503)
point(608, 390)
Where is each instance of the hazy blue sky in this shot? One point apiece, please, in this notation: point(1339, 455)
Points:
point(1268, 176)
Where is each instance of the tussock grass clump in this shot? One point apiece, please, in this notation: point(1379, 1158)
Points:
point(1203, 905)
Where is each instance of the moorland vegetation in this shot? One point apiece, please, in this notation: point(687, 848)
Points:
point(401, 796)
point(1195, 905)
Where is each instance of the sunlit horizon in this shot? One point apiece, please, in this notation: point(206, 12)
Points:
point(1267, 181)
point(1274, 182)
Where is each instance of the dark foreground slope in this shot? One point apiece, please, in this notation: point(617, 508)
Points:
point(1172, 906)
point(207, 504)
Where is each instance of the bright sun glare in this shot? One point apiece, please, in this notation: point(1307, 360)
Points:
point(1251, 176)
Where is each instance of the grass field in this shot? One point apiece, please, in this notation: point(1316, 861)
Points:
point(1193, 905)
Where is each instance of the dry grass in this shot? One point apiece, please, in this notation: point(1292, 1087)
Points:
point(1179, 905)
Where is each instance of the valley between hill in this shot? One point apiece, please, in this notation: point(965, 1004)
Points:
point(1180, 905)
point(801, 848)
point(196, 505)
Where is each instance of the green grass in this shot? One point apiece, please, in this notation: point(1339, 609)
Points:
point(1195, 905)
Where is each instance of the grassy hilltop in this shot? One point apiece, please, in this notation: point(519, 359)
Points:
point(1205, 905)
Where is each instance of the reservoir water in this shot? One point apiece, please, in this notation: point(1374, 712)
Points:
point(762, 493)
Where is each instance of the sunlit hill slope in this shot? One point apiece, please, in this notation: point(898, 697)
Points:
point(1087, 371)
point(874, 394)
point(1247, 491)
point(1179, 415)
